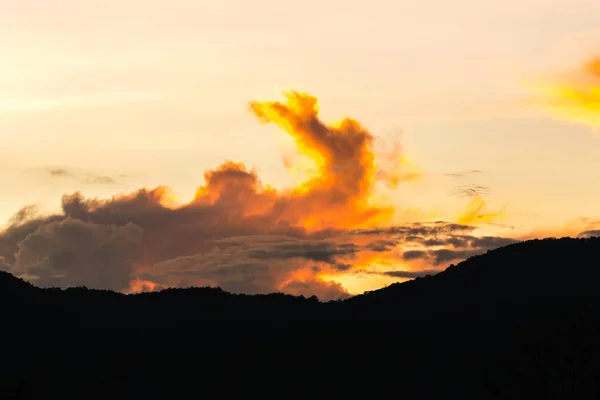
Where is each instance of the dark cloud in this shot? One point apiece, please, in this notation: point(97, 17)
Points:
point(251, 264)
point(442, 256)
point(77, 253)
point(86, 178)
point(4, 265)
point(60, 172)
point(414, 254)
point(470, 191)
point(25, 222)
point(99, 180)
point(417, 229)
point(432, 242)
point(323, 290)
point(134, 241)
point(410, 274)
point(342, 267)
point(453, 247)
point(439, 256)
point(25, 214)
point(412, 238)
point(236, 233)
point(311, 250)
point(490, 242)
point(382, 245)
point(463, 173)
point(462, 241)
point(589, 234)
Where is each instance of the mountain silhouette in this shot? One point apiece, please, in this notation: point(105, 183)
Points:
point(539, 267)
point(521, 321)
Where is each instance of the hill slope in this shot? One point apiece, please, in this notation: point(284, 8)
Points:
point(564, 267)
point(516, 320)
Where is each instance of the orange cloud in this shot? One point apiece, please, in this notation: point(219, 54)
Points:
point(395, 167)
point(238, 233)
point(475, 213)
point(575, 97)
point(338, 193)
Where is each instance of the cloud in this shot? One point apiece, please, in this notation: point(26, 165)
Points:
point(236, 232)
point(200, 245)
point(318, 251)
point(382, 245)
point(414, 254)
point(321, 289)
point(463, 173)
point(257, 264)
point(4, 265)
point(84, 177)
point(476, 212)
point(442, 256)
point(77, 253)
point(573, 96)
point(454, 247)
point(60, 172)
point(589, 234)
point(99, 180)
point(417, 230)
point(25, 214)
point(490, 242)
point(470, 191)
point(410, 274)
point(395, 167)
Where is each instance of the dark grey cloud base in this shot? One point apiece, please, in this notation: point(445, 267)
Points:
point(112, 244)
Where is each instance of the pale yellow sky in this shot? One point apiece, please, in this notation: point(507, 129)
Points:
point(158, 92)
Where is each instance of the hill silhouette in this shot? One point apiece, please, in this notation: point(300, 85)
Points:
point(521, 321)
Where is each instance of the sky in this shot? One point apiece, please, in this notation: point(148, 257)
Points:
point(472, 118)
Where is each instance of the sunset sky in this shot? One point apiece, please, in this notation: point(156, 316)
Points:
point(467, 103)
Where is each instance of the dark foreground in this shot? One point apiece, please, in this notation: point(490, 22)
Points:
point(522, 321)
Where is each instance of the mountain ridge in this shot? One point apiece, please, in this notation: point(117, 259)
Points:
point(520, 320)
point(471, 265)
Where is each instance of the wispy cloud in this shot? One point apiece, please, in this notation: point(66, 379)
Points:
point(462, 174)
point(81, 176)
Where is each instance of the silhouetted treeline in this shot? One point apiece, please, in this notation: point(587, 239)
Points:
point(522, 321)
